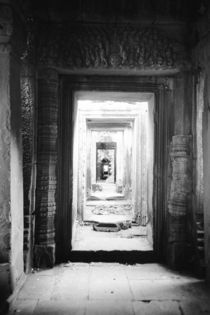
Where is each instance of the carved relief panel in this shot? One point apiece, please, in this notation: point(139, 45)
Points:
point(89, 46)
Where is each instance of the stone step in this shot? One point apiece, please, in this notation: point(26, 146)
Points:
point(124, 257)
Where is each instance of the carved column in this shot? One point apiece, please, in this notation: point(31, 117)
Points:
point(179, 203)
point(46, 168)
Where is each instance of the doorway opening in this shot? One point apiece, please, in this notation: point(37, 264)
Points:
point(113, 161)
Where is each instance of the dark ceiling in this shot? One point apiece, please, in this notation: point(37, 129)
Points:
point(114, 10)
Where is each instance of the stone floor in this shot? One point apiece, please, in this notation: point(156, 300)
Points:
point(132, 239)
point(109, 288)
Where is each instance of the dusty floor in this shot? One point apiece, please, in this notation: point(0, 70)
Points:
point(103, 288)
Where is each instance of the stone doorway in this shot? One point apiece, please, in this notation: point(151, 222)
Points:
point(113, 162)
point(70, 202)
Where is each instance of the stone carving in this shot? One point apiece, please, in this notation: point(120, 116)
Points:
point(27, 104)
point(181, 185)
point(105, 47)
point(179, 196)
point(46, 168)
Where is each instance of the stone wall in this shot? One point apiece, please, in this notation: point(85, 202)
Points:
point(5, 198)
point(150, 168)
point(16, 174)
point(201, 56)
point(11, 185)
point(5, 223)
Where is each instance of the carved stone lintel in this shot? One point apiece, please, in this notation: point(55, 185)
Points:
point(44, 255)
point(107, 47)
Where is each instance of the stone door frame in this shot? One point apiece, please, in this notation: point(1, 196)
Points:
point(72, 83)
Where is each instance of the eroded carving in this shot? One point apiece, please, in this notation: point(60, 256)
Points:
point(46, 168)
point(107, 47)
point(179, 197)
point(27, 105)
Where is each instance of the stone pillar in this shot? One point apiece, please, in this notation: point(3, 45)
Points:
point(29, 163)
point(46, 168)
point(29, 123)
point(179, 203)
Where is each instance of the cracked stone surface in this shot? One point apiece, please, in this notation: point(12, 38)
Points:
point(111, 288)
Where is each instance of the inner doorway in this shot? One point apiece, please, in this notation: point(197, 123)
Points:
point(113, 161)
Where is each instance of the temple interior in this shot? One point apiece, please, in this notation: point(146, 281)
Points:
point(113, 171)
point(104, 135)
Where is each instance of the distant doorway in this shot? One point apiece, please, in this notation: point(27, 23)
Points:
point(113, 163)
point(106, 162)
